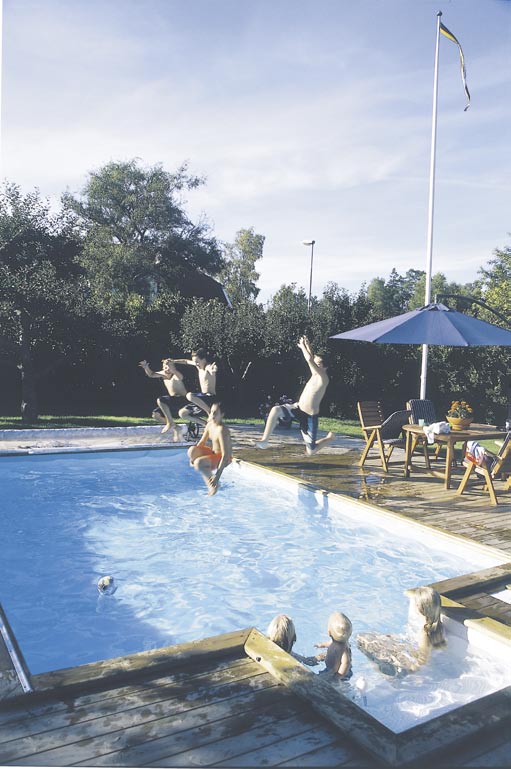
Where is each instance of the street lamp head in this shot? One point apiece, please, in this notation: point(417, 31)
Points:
point(308, 242)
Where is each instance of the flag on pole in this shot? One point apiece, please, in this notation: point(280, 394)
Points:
point(446, 33)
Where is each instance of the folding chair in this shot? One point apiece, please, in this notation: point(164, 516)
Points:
point(383, 432)
point(499, 465)
point(422, 408)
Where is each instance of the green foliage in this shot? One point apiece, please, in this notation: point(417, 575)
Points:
point(42, 294)
point(138, 239)
point(239, 274)
point(496, 282)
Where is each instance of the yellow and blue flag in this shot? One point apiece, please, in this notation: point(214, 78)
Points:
point(446, 33)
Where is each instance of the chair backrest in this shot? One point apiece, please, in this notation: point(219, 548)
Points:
point(502, 462)
point(370, 414)
point(421, 408)
point(392, 428)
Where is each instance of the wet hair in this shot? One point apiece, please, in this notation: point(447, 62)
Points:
point(281, 631)
point(202, 354)
point(428, 603)
point(339, 627)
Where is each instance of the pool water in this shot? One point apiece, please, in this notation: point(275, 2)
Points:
point(187, 566)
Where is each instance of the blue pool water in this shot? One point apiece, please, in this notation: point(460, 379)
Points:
point(187, 565)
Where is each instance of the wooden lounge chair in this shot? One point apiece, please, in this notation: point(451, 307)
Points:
point(500, 466)
point(385, 433)
point(422, 408)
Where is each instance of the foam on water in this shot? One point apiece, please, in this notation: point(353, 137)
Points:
point(187, 566)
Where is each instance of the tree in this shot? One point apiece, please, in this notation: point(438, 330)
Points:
point(138, 240)
point(41, 292)
point(239, 274)
point(496, 282)
point(234, 337)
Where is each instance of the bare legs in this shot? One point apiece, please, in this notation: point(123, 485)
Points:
point(271, 424)
point(319, 444)
point(202, 463)
point(169, 422)
point(279, 412)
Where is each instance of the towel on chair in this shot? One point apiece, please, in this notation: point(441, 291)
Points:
point(475, 453)
point(435, 429)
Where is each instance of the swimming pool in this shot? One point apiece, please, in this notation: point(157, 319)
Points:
point(188, 566)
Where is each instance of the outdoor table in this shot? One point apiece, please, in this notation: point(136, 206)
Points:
point(474, 433)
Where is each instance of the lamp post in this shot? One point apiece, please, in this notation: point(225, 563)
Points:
point(311, 244)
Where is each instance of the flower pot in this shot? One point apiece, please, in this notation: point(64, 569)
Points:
point(459, 423)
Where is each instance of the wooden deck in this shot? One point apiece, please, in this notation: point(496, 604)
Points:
point(230, 701)
point(203, 704)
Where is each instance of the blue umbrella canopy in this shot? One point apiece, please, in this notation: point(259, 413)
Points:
point(433, 324)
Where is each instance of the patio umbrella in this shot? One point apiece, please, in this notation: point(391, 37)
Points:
point(432, 324)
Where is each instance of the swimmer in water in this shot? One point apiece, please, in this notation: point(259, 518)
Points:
point(106, 585)
point(281, 631)
point(398, 655)
point(338, 655)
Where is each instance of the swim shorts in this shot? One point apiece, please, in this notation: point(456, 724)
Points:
point(196, 411)
point(215, 457)
point(308, 423)
point(174, 402)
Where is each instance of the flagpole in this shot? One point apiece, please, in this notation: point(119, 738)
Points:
point(431, 205)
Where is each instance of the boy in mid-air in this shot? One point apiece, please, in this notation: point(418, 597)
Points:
point(173, 381)
point(206, 459)
point(200, 403)
point(306, 411)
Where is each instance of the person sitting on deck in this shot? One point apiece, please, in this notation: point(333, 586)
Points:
point(206, 459)
point(338, 655)
point(399, 655)
point(281, 631)
point(306, 410)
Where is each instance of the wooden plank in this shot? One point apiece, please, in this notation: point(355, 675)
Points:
point(292, 748)
point(89, 727)
point(324, 698)
point(165, 658)
point(475, 581)
point(144, 735)
point(207, 687)
point(168, 747)
point(267, 737)
point(329, 755)
point(39, 705)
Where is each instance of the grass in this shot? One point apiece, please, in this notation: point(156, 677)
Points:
point(340, 426)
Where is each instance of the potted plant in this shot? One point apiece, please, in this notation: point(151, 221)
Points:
point(460, 415)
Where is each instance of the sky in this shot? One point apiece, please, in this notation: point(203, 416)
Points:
point(310, 119)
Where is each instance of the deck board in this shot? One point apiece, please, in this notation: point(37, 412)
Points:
point(96, 736)
point(230, 710)
point(114, 705)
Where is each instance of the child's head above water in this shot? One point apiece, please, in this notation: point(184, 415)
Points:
point(339, 627)
point(427, 603)
point(281, 631)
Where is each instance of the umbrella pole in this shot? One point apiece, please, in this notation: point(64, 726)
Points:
point(431, 205)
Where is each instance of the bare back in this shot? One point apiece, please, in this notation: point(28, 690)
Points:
point(312, 393)
point(207, 379)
